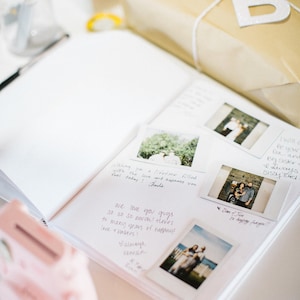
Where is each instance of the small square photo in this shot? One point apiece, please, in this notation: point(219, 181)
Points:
point(237, 126)
point(242, 129)
point(192, 260)
point(247, 190)
point(243, 189)
point(173, 148)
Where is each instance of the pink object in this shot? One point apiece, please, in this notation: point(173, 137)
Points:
point(36, 264)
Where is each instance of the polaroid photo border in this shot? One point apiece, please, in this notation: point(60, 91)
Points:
point(260, 195)
point(244, 130)
point(192, 261)
point(172, 148)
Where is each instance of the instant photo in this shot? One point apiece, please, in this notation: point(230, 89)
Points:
point(242, 129)
point(191, 261)
point(245, 190)
point(172, 148)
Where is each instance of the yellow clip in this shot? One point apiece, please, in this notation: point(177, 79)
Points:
point(103, 21)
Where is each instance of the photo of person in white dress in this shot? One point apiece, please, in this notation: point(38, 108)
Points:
point(237, 131)
point(183, 258)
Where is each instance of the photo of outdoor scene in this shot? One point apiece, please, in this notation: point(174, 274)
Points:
point(242, 188)
point(237, 126)
point(163, 147)
point(195, 258)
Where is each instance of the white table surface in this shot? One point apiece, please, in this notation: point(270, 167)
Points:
point(274, 277)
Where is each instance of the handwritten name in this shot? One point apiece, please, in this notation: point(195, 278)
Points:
point(240, 218)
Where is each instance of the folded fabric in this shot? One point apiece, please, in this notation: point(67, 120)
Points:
point(260, 61)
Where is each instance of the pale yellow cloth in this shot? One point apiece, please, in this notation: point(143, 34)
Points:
point(262, 62)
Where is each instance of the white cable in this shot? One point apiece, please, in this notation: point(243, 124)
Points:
point(194, 36)
point(294, 7)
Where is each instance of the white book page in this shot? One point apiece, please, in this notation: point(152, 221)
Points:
point(75, 109)
point(135, 212)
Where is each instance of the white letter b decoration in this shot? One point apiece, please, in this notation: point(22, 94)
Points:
point(282, 11)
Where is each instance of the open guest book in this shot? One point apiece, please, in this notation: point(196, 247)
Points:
point(159, 173)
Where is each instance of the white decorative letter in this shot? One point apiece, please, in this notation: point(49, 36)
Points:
point(282, 11)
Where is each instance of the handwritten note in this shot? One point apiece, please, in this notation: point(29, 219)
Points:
point(154, 177)
point(132, 224)
point(193, 98)
point(129, 220)
point(283, 159)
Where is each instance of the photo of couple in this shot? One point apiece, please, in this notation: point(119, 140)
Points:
point(187, 260)
point(196, 256)
point(242, 194)
point(238, 127)
point(233, 129)
point(245, 190)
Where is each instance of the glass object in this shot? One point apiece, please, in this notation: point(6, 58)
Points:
point(29, 26)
